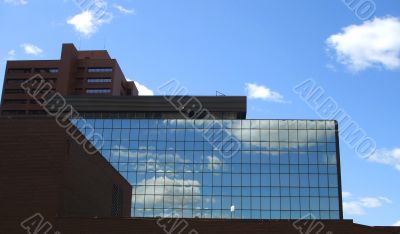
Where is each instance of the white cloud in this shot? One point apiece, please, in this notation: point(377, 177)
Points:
point(346, 194)
point(152, 161)
point(373, 202)
point(359, 206)
point(385, 199)
point(158, 191)
point(101, 4)
point(396, 223)
point(123, 9)
point(353, 208)
point(84, 23)
point(31, 49)
point(11, 55)
point(255, 91)
point(389, 157)
point(373, 43)
point(143, 90)
point(331, 67)
point(87, 22)
point(214, 163)
point(16, 2)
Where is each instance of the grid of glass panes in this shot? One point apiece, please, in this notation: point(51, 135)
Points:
point(285, 169)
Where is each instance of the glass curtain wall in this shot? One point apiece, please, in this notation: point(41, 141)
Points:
point(282, 169)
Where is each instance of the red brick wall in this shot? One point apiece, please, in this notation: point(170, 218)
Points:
point(201, 226)
point(194, 226)
point(43, 170)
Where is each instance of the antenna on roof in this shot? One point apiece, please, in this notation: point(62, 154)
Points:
point(218, 93)
point(104, 47)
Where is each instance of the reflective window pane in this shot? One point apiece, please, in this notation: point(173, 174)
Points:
point(283, 169)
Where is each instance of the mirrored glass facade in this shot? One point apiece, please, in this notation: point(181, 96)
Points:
point(284, 169)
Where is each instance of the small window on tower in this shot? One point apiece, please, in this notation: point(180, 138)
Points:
point(99, 80)
point(99, 69)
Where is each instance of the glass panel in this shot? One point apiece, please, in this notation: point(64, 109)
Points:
point(283, 170)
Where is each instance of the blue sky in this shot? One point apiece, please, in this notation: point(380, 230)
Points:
point(262, 49)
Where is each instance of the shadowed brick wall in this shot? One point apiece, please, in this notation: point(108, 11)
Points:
point(43, 170)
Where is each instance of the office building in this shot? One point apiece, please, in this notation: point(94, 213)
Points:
point(76, 73)
point(159, 162)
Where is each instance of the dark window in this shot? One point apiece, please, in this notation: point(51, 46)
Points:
point(99, 80)
point(46, 70)
point(100, 69)
point(15, 81)
point(14, 91)
point(15, 101)
point(77, 91)
point(37, 112)
point(92, 91)
point(13, 112)
point(53, 70)
point(116, 201)
point(47, 91)
point(19, 70)
point(51, 80)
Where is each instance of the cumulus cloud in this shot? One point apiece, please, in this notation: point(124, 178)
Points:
point(385, 199)
point(396, 223)
point(353, 208)
point(255, 91)
point(88, 22)
point(359, 206)
point(16, 2)
point(143, 90)
point(150, 160)
point(346, 194)
point(373, 202)
point(389, 157)
point(177, 193)
point(31, 49)
point(373, 43)
point(11, 55)
point(123, 9)
point(84, 23)
point(214, 163)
